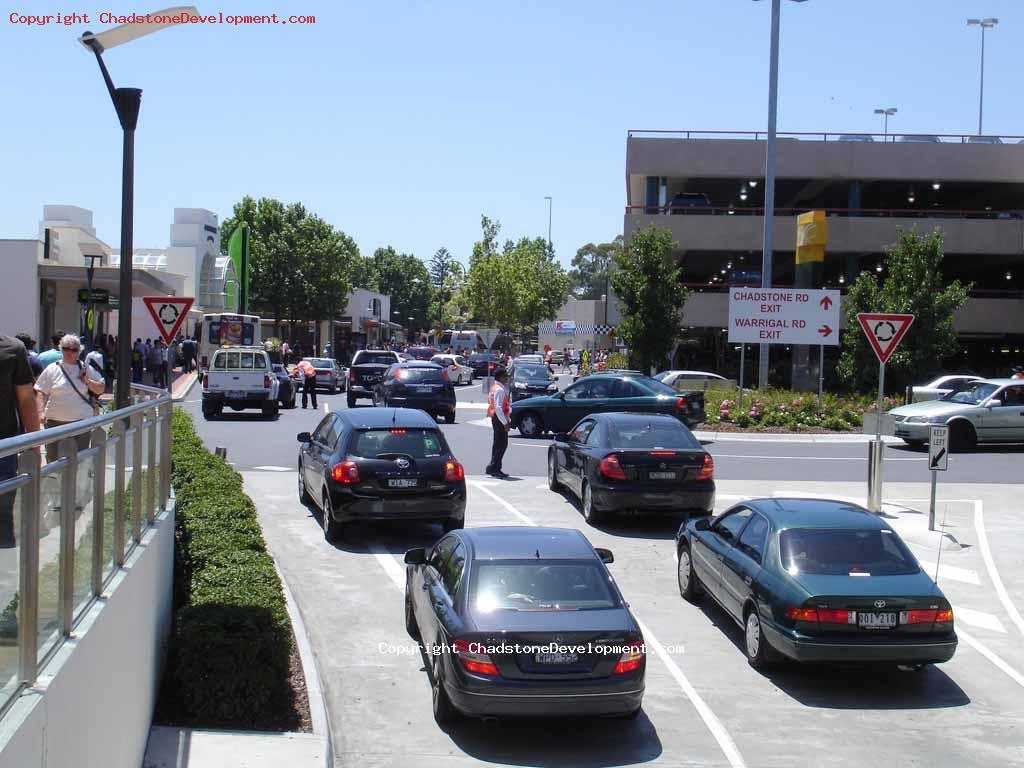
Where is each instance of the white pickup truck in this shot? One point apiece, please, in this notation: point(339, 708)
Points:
point(239, 378)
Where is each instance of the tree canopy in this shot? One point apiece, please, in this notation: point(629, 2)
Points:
point(590, 268)
point(396, 274)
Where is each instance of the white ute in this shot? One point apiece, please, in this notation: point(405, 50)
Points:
point(239, 378)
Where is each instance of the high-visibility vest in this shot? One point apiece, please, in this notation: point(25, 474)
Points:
point(306, 368)
point(505, 407)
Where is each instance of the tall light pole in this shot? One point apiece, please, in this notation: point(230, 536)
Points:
point(769, 175)
point(126, 103)
point(548, 198)
point(984, 24)
point(887, 112)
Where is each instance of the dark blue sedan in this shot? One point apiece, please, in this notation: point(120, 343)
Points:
point(816, 580)
point(417, 384)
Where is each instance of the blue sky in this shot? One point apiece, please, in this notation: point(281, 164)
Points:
point(401, 122)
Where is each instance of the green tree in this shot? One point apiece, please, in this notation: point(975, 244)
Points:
point(648, 282)
point(405, 279)
point(446, 276)
point(591, 267)
point(326, 259)
point(914, 284)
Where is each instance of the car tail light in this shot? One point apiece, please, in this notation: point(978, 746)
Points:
point(346, 473)
point(681, 402)
point(453, 471)
point(631, 659)
point(206, 381)
point(802, 614)
point(473, 659)
point(928, 616)
point(401, 374)
point(707, 472)
point(835, 616)
point(662, 453)
point(397, 431)
point(266, 381)
point(611, 468)
point(351, 374)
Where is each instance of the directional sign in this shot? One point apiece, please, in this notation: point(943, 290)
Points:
point(783, 316)
point(884, 332)
point(938, 447)
point(168, 313)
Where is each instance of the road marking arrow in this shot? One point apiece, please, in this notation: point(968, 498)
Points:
point(825, 302)
point(825, 330)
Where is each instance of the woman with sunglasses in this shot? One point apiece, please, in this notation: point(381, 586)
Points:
point(66, 392)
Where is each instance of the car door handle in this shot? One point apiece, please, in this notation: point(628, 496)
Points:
point(426, 586)
point(747, 580)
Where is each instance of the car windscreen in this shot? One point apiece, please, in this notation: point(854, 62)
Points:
point(973, 395)
point(540, 586)
point(642, 434)
point(531, 373)
point(656, 387)
point(374, 358)
point(417, 443)
point(838, 552)
point(420, 375)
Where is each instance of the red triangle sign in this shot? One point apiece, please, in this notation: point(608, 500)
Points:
point(169, 313)
point(884, 332)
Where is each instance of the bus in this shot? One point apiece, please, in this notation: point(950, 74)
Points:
point(221, 329)
point(459, 341)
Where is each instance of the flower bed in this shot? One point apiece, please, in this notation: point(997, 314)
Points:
point(779, 410)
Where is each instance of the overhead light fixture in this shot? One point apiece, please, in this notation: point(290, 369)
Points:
point(752, 183)
point(1009, 275)
point(728, 265)
point(936, 186)
point(743, 195)
point(988, 207)
point(842, 279)
point(878, 267)
point(911, 198)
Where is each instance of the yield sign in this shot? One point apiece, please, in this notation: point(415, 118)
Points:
point(884, 332)
point(168, 313)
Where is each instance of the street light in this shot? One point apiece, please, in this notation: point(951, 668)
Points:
point(769, 174)
point(887, 112)
point(548, 198)
point(126, 103)
point(984, 24)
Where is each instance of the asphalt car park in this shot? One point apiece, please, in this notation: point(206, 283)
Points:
point(703, 704)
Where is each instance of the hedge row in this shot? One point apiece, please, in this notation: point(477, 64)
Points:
point(231, 644)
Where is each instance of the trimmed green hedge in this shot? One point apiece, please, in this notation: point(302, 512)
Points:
point(231, 644)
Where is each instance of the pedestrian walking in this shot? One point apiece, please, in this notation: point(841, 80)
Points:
point(499, 412)
point(66, 392)
point(307, 374)
point(33, 357)
point(170, 360)
point(138, 352)
point(52, 355)
point(155, 363)
point(18, 414)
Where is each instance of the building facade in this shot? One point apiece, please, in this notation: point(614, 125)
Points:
point(707, 189)
point(581, 324)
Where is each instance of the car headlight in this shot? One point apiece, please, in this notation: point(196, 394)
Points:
point(519, 385)
point(552, 387)
point(917, 419)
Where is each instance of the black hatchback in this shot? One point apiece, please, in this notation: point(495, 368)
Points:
point(523, 622)
point(645, 462)
point(380, 464)
point(418, 384)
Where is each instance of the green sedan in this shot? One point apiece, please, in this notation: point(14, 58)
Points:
point(816, 580)
point(602, 393)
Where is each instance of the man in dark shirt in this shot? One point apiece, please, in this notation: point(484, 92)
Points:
point(33, 359)
point(17, 414)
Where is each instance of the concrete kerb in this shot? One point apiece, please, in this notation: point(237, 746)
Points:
point(179, 393)
point(789, 437)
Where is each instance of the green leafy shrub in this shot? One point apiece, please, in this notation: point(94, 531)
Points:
point(231, 644)
point(795, 411)
point(617, 360)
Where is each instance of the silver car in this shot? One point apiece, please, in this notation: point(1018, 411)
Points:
point(942, 386)
point(990, 411)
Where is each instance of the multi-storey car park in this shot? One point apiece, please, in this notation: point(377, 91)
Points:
point(707, 189)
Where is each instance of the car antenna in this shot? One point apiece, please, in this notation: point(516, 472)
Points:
point(394, 416)
point(537, 553)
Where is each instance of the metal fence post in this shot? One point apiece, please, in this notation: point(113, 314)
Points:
point(28, 581)
point(165, 455)
point(136, 435)
point(99, 508)
point(119, 473)
point(151, 459)
point(67, 448)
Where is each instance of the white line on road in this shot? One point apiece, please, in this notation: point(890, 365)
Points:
point(272, 468)
point(1013, 674)
point(978, 619)
point(389, 564)
point(718, 456)
point(512, 510)
point(949, 571)
point(327, 407)
point(990, 565)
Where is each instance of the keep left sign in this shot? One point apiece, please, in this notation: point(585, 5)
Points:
point(783, 316)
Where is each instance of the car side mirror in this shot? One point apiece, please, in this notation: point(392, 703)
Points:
point(304, 437)
point(605, 554)
point(416, 556)
point(559, 396)
point(562, 437)
point(703, 524)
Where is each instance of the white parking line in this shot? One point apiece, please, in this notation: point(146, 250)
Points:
point(390, 565)
point(1013, 674)
point(990, 566)
point(327, 407)
point(511, 510)
point(978, 619)
point(809, 458)
point(948, 571)
point(271, 468)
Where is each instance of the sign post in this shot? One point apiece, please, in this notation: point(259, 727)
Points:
point(169, 313)
point(938, 461)
point(883, 332)
point(743, 353)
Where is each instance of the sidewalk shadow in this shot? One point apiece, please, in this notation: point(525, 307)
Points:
point(629, 525)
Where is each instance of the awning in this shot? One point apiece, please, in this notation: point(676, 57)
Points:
point(103, 276)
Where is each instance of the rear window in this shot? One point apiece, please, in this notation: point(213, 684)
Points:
point(321, 362)
point(639, 434)
point(420, 375)
point(655, 386)
point(239, 361)
point(417, 443)
point(374, 358)
point(839, 552)
point(540, 586)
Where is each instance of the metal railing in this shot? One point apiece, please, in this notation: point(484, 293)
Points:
point(844, 136)
point(852, 213)
point(80, 520)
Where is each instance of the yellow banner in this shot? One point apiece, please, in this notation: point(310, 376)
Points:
point(811, 237)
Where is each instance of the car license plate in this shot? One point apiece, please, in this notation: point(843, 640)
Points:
point(873, 620)
point(662, 475)
point(234, 394)
point(424, 390)
point(403, 482)
point(556, 658)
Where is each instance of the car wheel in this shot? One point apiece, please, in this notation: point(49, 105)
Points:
point(553, 483)
point(410, 618)
point(530, 424)
point(590, 513)
point(270, 411)
point(333, 389)
point(962, 437)
point(351, 401)
point(209, 413)
point(759, 653)
point(689, 585)
point(453, 525)
point(304, 497)
point(332, 528)
point(444, 712)
point(449, 418)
